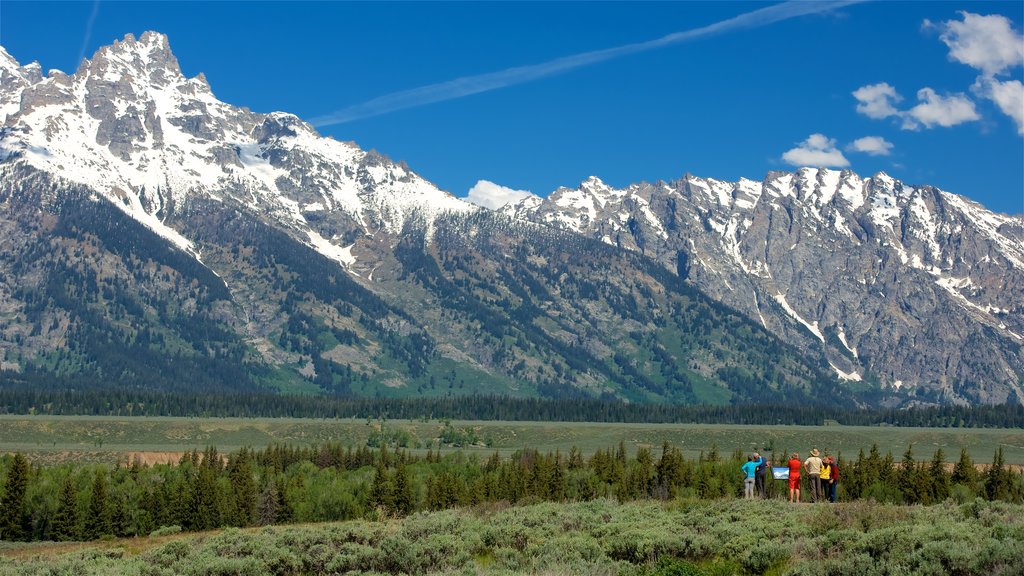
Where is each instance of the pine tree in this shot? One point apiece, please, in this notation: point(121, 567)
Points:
point(285, 512)
point(939, 477)
point(65, 522)
point(13, 519)
point(266, 509)
point(381, 492)
point(668, 471)
point(99, 522)
point(205, 499)
point(559, 480)
point(998, 480)
point(243, 488)
point(964, 471)
point(403, 498)
point(908, 479)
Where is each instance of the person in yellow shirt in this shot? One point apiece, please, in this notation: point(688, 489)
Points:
point(825, 478)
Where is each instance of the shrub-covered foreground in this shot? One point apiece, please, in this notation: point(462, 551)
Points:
point(596, 537)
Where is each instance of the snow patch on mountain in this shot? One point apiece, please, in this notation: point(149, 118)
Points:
point(130, 126)
point(812, 326)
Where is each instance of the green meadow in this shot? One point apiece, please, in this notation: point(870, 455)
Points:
point(102, 438)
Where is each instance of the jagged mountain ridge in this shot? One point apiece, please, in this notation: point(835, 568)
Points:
point(313, 278)
point(163, 238)
point(129, 125)
point(908, 286)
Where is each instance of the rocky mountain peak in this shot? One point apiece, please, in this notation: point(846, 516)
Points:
point(859, 268)
point(148, 59)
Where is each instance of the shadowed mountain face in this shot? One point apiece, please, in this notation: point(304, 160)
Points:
point(156, 237)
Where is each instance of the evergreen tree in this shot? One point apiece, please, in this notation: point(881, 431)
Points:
point(938, 477)
point(183, 509)
point(964, 471)
point(266, 509)
point(670, 471)
point(908, 482)
point(13, 519)
point(99, 521)
point(65, 522)
point(205, 499)
point(381, 491)
point(285, 512)
point(998, 480)
point(559, 480)
point(243, 488)
point(403, 498)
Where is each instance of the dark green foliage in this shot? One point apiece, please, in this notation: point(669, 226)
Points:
point(13, 516)
point(329, 482)
point(65, 523)
point(382, 490)
point(1000, 481)
point(243, 489)
point(99, 520)
point(964, 471)
point(17, 397)
point(404, 499)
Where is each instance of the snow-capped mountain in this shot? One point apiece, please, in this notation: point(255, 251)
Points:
point(157, 238)
point(128, 125)
point(155, 234)
point(908, 285)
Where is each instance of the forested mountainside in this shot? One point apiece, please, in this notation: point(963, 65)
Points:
point(159, 239)
point(479, 303)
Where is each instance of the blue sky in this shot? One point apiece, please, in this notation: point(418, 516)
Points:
point(929, 92)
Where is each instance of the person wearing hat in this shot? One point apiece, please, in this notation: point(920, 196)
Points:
point(813, 467)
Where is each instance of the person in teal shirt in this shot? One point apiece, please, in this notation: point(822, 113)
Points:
point(750, 469)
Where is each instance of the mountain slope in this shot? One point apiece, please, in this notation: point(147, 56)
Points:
point(157, 234)
point(906, 286)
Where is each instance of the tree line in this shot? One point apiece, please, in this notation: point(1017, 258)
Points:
point(17, 398)
point(284, 484)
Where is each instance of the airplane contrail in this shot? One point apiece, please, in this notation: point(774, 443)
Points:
point(469, 85)
point(88, 31)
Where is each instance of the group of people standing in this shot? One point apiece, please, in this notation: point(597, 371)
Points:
point(822, 476)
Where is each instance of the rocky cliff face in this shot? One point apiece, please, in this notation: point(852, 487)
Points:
point(907, 286)
point(162, 238)
point(159, 237)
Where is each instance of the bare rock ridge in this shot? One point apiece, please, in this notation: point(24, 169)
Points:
point(331, 267)
point(908, 286)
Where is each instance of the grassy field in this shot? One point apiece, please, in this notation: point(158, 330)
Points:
point(718, 537)
point(102, 438)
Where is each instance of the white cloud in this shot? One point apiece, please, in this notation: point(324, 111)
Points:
point(490, 195)
point(991, 45)
point(873, 145)
point(818, 150)
point(1008, 96)
point(936, 110)
point(876, 100)
point(987, 43)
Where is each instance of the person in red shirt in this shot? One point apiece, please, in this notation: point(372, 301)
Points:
point(833, 479)
point(794, 477)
